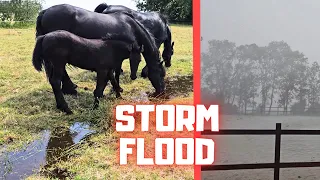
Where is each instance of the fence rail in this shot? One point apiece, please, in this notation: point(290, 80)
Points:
point(278, 132)
point(280, 111)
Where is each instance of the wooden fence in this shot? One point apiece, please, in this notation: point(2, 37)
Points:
point(280, 111)
point(278, 132)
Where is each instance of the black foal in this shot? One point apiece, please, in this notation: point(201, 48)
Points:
point(58, 48)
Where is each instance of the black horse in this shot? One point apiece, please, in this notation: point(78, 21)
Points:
point(93, 25)
point(155, 22)
point(58, 48)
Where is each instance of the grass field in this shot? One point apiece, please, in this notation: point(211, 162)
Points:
point(27, 107)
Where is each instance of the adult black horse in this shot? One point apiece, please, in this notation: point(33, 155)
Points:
point(93, 25)
point(155, 22)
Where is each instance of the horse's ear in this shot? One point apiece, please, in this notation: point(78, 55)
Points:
point(172, 44)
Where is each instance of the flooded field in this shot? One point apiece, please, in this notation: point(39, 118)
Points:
point(42, 153)
point(240, 149)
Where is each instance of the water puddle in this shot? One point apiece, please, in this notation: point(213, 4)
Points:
point(45, 152)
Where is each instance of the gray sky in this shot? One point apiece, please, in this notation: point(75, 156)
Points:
point(90, 4)
point(297, 22)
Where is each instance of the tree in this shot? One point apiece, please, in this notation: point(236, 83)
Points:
point(176, 10)
point(313, 83)
point(245, 74)
point(20, 10)
point(292, 63)
point(217, 68)
point(239, 76)
point(276, 58)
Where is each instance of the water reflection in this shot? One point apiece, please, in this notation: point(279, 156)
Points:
point(51, 148)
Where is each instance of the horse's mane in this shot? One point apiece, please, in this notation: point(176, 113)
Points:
point(164, 18)
point(152, 37)
point(133, 18)
point(115, 37)
point(130, 14)
point(118, 39)
point(101, 7)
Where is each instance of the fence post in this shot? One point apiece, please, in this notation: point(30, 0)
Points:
point(277, 152)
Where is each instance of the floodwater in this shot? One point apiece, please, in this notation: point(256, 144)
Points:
point(240, 149)
point(44, 152)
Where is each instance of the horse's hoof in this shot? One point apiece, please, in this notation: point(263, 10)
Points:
point(65, 109)
point(95, 103)
point(120, 90)
point(70, 92)
point(119, 97)
point(68, 112)
point(95, 106)
point(144, 74)
point(102, 96)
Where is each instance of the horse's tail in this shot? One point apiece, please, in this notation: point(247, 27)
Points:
point(39, 31)
point(37, 60)
point(101, 7)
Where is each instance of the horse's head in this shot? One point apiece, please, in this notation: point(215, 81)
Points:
point(135, 59)
point(162, 75)
point(167, 53)
point(162, 70)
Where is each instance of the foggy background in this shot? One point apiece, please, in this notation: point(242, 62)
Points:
point(250, 21)
point(264, 54)
point(262, 60)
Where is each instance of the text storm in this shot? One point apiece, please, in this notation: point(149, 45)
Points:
point(177, 121)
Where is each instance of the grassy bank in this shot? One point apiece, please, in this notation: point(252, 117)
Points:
point(27, 105)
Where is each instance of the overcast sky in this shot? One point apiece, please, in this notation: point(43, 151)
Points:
point(90, 4)
point(297, 22)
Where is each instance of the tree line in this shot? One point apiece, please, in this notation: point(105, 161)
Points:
point(20, 10)
point(27, 10)
point(176, 10)
point(260, 77)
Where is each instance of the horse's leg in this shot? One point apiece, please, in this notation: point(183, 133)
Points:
point(117, 75)
point(68, 87)
point(55, 82)
point(144, 72)
point(102, 81)
point(115, 84)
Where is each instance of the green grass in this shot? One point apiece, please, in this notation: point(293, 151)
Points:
point(27, 106)
point(17, 24)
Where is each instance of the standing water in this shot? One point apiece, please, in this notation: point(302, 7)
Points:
point(41, 153)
